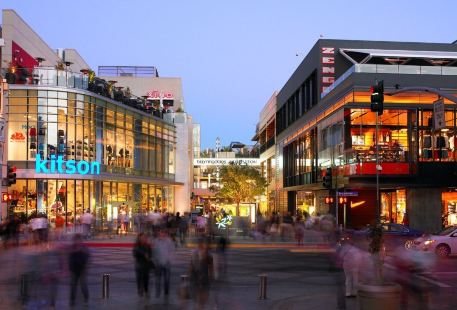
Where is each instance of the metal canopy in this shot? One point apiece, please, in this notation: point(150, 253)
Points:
point(369, 53)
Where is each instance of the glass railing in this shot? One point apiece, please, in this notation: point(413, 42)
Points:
point(52, 77)
point(391, 69)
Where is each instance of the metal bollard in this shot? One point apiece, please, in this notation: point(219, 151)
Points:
point(263, 286)
point(24, 288)
point(184, 288)
point(105, 286)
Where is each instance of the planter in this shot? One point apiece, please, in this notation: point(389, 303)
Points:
point(379, 297)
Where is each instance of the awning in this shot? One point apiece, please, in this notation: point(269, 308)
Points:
point(358, 55)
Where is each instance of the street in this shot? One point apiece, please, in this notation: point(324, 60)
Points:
point(297, 277)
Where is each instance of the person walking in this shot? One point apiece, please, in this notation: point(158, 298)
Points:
point(78, 261)
point(183, 227)
point(126, 223)
point(163, 251)
point(201, 272)
point(86, 221)
point(142, 253)
point(350, 257)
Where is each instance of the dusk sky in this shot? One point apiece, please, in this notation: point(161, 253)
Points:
point(231, 55)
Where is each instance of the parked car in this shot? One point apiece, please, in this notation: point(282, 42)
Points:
point(394, 235)
point(443, 244)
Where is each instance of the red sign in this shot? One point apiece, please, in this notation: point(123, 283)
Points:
point(17, 137)
point(157, 94)
point(6, 197)
point(328, 67)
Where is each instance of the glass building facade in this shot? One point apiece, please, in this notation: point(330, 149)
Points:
point(135, 151)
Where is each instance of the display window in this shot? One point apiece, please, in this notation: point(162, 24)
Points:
point(306, 202)
point(449, 214)
point(393, 136)
point(437, 145)
point(393, 207)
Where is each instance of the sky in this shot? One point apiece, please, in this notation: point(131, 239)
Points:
point(231, 55)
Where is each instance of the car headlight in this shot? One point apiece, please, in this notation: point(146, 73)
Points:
point(428, 242)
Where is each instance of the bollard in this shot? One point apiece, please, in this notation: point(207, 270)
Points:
point(184, 288)
point(263, 286)
point(24, 288)
point(105, 286)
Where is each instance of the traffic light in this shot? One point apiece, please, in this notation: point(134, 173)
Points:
point(328, 179)
point(328, 200)
point(11, 175)
point(342, 200)
point(6, 197)
point(377, 97)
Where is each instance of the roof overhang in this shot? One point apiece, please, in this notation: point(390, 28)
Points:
point(370, 53)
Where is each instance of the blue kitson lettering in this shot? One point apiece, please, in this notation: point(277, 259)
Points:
point(56, 165)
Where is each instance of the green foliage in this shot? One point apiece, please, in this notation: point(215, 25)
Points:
point(240, 183)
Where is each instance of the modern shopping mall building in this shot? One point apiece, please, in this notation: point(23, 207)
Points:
point(80, 142)
point(323, 120)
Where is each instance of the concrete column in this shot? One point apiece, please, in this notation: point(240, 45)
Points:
point(424, 208)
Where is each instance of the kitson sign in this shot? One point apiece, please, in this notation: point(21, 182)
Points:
point(328, 67)
point(59, 165)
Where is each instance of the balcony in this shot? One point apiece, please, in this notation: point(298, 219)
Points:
point(267, 145)
point(85, 80)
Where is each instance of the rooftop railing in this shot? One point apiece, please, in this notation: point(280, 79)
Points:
point(391, 69)
point(86, 80)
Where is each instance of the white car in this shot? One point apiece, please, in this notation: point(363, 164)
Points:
point(443, 244)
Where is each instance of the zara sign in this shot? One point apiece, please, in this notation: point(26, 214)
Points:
point(59, 165)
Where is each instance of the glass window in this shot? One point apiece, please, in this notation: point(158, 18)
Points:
point(393, 139)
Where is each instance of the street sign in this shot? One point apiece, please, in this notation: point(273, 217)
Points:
point(439, 121)
point(348, 194)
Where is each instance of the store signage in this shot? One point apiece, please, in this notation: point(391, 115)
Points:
point(328, 67)
point(439, 121)
point(56, 165)
point(157, 94)
point(348, 194)
point(226, 161)
point(17, 137)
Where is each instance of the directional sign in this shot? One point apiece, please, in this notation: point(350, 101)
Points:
point(348, 194)
point(439, 121)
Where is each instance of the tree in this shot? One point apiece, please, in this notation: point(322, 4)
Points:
point(240, 183)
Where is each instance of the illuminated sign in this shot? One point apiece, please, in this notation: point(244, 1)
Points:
point(156, 94)
point(59, 165)
point(328, 67)
point(226, 161)
point(223, 220)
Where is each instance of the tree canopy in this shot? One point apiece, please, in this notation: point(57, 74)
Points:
point(240, 183)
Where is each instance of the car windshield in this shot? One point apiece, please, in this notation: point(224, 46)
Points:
point(447, 231)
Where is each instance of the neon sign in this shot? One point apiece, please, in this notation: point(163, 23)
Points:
point(59, 165)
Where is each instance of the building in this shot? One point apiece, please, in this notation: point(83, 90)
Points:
point(323, 120)
point(206, 175)
point(78, 142)
point(265, 137)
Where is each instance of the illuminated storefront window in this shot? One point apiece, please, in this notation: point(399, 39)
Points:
point(57, 135)
point(393, 137)
point(449, 214)
point(393, 207)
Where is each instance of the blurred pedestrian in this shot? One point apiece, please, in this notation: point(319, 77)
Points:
point(163, 252)
point(78, 262)
point(201, 272)
point(59, 224)
point(86, 221)
point(350, 257)
point(126, 223)
point(142, 253)
point(183, 227)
